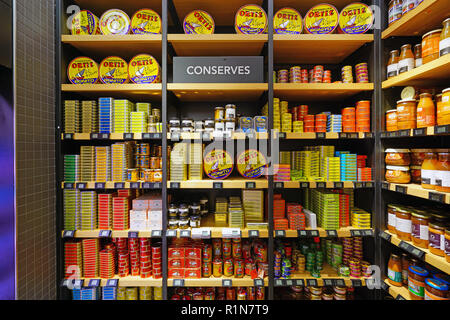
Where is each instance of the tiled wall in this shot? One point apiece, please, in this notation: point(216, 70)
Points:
point(35, 149)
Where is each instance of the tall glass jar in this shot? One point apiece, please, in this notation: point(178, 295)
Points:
point(392, 66)
point(429, 167)
point(418, 55)
point(425, 111)
point(443, 171)
point(406, 61)
point(443, 108)
point(395, 270)
point(406, 114)
point(444, 43)
point(430, 45)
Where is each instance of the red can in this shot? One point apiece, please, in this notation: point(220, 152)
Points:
point(251, 293)
point(242, 294)
point(260, 293)
point(237, 249)
point(226, 248)
point(239, 269)
point(250, 265)
point(207, 252)
point(207, 269)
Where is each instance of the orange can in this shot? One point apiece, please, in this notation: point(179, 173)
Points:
point(430, 45)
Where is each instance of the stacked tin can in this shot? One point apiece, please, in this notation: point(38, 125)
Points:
point(348, 250)
point(349, 120)
point(327, 76)
point(107, 262)
point(304, 76)
point(157, 261)
point(317, 74)
point(347, 74)
point(321, 123)
point(355, 267)
point(283, 76)
point(309, 123)
point(362, 73)
point(145, 258)
point(336, 255)
point(363, 116)
point(277, 265)
point(295, 75)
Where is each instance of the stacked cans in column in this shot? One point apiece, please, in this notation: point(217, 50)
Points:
point(105, 114)
point(145, 258)
point(296, 217)
point(109, 293)
point(87, 159)
point(121, 119)
point(72, 116)
point(120, 161)
point(102, 164)
point(105, 209)
point(71, 168)
point(89, 117)
point(348, 167)
point(123, 265)
point(334, 123)
point(72, 215)
point(88, 210)
point(85, 294)
point(90, 257)
point(120, 213)
point(108, 262)
point(73, 263)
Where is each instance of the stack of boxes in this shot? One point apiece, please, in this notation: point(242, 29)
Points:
point(73, 262)
point(105, 210)
point(102, 164)
point(348, 167)
point(88, 210)
point(72, 216)
point(105, 115)
point(72, 116)
point(235, 213)
point(185, 260)
point(253, 206)
point(221, 214)
point(279, 213)
point(90, 257)
point(87, 159)
point(334, 123)
point(89, 117)
point(147, 213)
point(361, 219)
point(195, 161)
point(121, 115)
point(72, 168)
point(178, 167)
point(326, 205)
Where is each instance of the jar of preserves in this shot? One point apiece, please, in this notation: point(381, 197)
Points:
point(392, 218)
point(183, 223)
point(418, 55)
point(447, 244)
point(416, 174)
point(418, 156)
point(436, 238)
point(430, 45)
point(391, 120)
point(425, 111)
point(405, 267)
point(392, 66)
point(394, 11)
point(443, 171)
point(443, 108)
point(406, 60)
point(416, 282)
point(395, 270)
point(419, 230)
point(444, 43)
point(398, 157)
point(398, 174)
point(436, 289)
point(406, 114)
point(429, 166)
point(403, 225)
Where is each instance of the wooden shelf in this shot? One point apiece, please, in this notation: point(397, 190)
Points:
point(434, 72)
point(421, 132)
point(218, 44)
point(328, 135)
point(323, 49)
point(417, 191)
point(304, 5)
point(398, 291)
point(341, 233)
point(230, 183)
point(129, 90)
point(93, 185)
point(129, 281)
point(319, 91)
point(84, 234)
point(130, 7)
point(238, 92)
point(328, 184)
point(218, 282)
point(111, 136)
point(432, 259)
point(425, 17)
point(327, 273)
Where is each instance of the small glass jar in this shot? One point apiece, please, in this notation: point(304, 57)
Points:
point(183, 210)
point(398, 157)
point(173, 224)
point(392, 66)
point(403, 224)
point(395, 271)
point(443, 171)
point(173, 210)
point(406, 61)
point(416, 282)
point(183, 223)
point(418, 156)
point(392, 218)
point(195, 221)
point(418, 55)
point(425, 113)
point(429, 167)
point(195, 208)
point(443, 109)
point(405, 266)
point(444, 41)
point(398, 174)
point(436, 238)
point(416, 174)
point(419, 231)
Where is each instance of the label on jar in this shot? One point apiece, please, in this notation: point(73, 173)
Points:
point(405, 65)
point(436, 241)
point(416, 287)
point(403, 225)
point(444, 47)
point(420, 231)
point(392, 218)
point(394, 275)
point(447, 246)
point(442, 178)
point(392, 70)
point(428, 177)
point(418, 62)
point(395, 12)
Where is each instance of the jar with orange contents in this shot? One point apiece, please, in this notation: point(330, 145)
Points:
point(429, 167)
point(403, 225)
point(398, 174)
point(443, 108)
point(419, 231)
point(447, 244)
point(406, 61)
point(430, 45)
point(406, 114)
point(436, 243)
point(443, 171)
point(392, 67)
point(391, 120)
point(425, 111)
point(392, 217)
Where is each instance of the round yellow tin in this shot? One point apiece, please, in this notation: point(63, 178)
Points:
point(143, 68)
point(321, 19)
point(85, 23)
point(114, 22)
point(146, 21)
point(251, 19)
point(113, 70)
point(82, 70)
point(251, 164)
point(198, 22)
point(287, 21)
point(218, 164)
point(356, 18)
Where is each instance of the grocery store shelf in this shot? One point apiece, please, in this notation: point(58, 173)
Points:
point(327, 135)
point(434, 72)
point(210, 136)
point(327, 273)
point(111, 185)
point(218, 91)
point(420, 132)
point(231, 183)
point(129, 281)
point(111, 136)
point(128, 90)
point(417, 191)
point(323, 185)
point(425, 17)
point(432, 259)
point(217, 282)
point(217, 44)
point(84, 234)
point(304, 5)
point(323, 49)
point(124, 46)
point(130, 7)
point(399, 293)
point(341, 233)
point(319, 91)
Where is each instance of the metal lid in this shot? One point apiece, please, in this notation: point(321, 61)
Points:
point(418, 270)
point(447, 89)
point(397, 168)
point(421, 150)
point(430, 32)
point(419, 214)
point(406, 100)
point(436, 284)
point(394, 51)
point(397, 151)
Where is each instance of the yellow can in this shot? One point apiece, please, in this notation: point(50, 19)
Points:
point(85, 23)
point(218, 164)
point(198, 22)
point(251, 19)
point(113, 70)
point(82, 70)
point(321, 19)
point(287, 21)
point(356, 18)
point(143, 68)
point(251, 164)
point(115, 22)
point(146, 21)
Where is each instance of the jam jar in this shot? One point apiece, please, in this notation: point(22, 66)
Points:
point(406, 114)
point(418, 156)
point(418, 55)
point(403, 225)
point(406, 61)
point(429, 167)
point(416, 174)
point(398, 174)
point(443, 171)
point(392, 218)
point(419, 221)
point(436, 236)
point(426, 116)
point(392, 67)
point(398, 157)
point(395, 270)
point(391, 120)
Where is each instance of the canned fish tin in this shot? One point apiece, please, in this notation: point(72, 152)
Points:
point(146, 21)
point(260, 124)
point(321, 19)
point(133, 175)
point(251, 19)
point(115, 22)
point(218, 164)
point(198, 22)
point(288, 21)
point(251, 164)
point(219, 113)
point(356, 18)
point(85, 23)
point(113, 70)
point(82, 70)
point(143, 69)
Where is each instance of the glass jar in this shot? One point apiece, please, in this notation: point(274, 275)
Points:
point(173, 224)
point(394, 11)
point(444, 43)
point(398, 174)
point(173, 210)
point(418, 156)
point(183, 210)
point(403, 225)
point(416, 282)
point(443, 109)
point(430, 45)
point(392, 218)
point(398, 157)
point(443, 171)
point(425, 111)
point(405, 267)
point(183, 223)
point(436, 289)
point(416, 174)
point(418, 55)
point(395, 270)
point(406, 114)
point(406, 60)
point(447, 244)
point(436, 238)
point(429, 167)
point(195, 221)
point(392, 66)
point(419, 230)
point(391, 120)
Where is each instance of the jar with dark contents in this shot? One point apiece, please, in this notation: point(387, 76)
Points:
point(195, 221)
point(183, 223)
point(405, 266)
point(173, 211)
point(173, 224)
point(195, 208)
point(183, 210)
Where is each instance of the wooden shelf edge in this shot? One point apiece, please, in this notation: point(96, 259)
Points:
point(324, 37)
point(66, 38)
point(217, 37)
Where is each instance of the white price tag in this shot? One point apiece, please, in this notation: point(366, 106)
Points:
point(231, 233)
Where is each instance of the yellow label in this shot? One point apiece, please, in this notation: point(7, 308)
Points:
point(356, 18)
point(321, 19)
point(287, 21)
point(251, 164)
point(113, 70)
point(146, 21)
point(198, 22)
point(85, 23)
point(251, 19)
point(218, 164)
point(82, 70)
point(143, 69)
point(115, 21)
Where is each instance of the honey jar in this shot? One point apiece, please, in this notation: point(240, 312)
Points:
point(436, 243)
point(403, 225)
point(398, 174)
point(443, 108)
point(430, 45)
point(391, 120)
point(419, 233)
point(406, 114)
point(425, 111)
point(429, 167)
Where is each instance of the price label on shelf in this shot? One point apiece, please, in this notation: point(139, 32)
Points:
point(133, 234)
point(156, 233)
point(119, 185)
point(411, 249)
point(175, 137)
point(338, 185)
point(250, 135)
point(299, 282)
point(311, 282)
point(175, 185)
point(100, 186)
point(135, 185)
point(94, 136)
point(368, 135)
point(419, 132)
point(392, 134)
point(383, 135)
point(81, 185)
point(444, 129)
point(304, 185)
point(368, 184)
point(385, 236)
point(302, 233)
point(280, 233)
point(128, 136)
point(356, 283)
point(279, 283)
point(355, 233)
point(78, 283)
point(321, 185)
point(250, 185)
point(385, 185)
point(253, 233)
point(358, 185)
point(171, 233)
point(112, 283)
point(401, 189)
point(69, 186)
point(206, 137)
point(328, 282)
point(339, 282)
point(321, 135)
point(439, 197)
point(185, 234)
point(352, 136)
point(178, 282)
point(258, 283)
point(314, 233)
point(68, 234)
point(289, 282)
point(231, 233)
point(279, 185)
point(332, 233)
point(367, 233)
point(384, 286)
point(281, 135)
point(343, 135)
point(218, 185)
point(227, 283)
point(94, 283)
point(105, 234)
point(68, 136)
point(404, 133)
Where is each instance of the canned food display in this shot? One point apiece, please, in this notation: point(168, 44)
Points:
point(146, 21)
point(144, 68)
point(113, 70)
point(83, 70)
point(251, 19)
point(288, 21)
point(321, 19)
point(115, 22)
point(85, 23)
point(356, 18)
point(198, 22)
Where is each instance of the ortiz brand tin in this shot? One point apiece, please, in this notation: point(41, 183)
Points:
point(143, 68)
point(321, 19)
point(82, 70)
point(218, 164)
point(251, 164)
point(356, 18)
point(251, 19)
point(288, 21)
point(114, 22)
point(146, 21)
point(85, 23)
point(113, 70)
point(198, 22)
